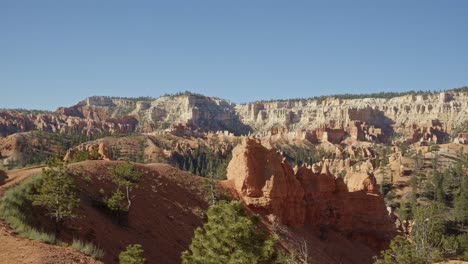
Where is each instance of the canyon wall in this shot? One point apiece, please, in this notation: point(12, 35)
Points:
point(427, 116)
point(361, 118)
point(12, 121)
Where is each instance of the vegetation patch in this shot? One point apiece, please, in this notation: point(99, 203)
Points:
point(434, 214)
point(133, 254)
point(88, 248)
point(230, 236)
point(202, 161)
point(17, 208)
point(297, 156)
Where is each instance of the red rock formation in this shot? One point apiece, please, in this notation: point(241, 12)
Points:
point(100, 148)
point(265, 180)
point(12, 121)
point(312, 197)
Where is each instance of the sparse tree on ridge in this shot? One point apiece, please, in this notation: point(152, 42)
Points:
point(57, 193)
point(125, 176)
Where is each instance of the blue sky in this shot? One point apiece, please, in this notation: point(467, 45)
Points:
point(55, 53)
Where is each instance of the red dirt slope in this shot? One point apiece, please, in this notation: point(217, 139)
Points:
point(168, 205)
point(19, 250)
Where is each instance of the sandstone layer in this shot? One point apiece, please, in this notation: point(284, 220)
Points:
point(428, 116)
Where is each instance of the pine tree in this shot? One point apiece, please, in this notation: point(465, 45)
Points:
point(414, 192)
point(426, 238)
point(57, 192)
point(133, 254)
point(438, 182)
point(461, 204)
point(404, 212)
point(418, 161)
point(229, 237)
point(428, 231)
point(125, 176)
point(385, 171)
point(400, 251)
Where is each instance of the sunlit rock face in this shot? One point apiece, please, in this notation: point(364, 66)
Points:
point(312, 196)
point(426, 116)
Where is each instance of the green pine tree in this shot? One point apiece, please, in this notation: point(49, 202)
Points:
point(385, 184)
point(437, 181)
point(414, 192)
point(404, 212)
point(125, 176)
point(425, 243)
point(57, 194)
point(461, 204)
point(229, 237)
point(400, 251)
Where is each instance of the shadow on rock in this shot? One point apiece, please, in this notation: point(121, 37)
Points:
point(3, 177)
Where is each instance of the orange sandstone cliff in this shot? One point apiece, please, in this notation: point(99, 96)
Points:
point(311, 197)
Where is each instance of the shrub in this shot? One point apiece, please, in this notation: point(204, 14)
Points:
point(133, 254)
point(229, 236)
point(16, 208)
point(88, 248)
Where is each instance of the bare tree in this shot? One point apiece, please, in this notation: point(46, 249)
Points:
point(303, 253)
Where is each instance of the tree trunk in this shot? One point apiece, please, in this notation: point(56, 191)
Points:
point(128, 198)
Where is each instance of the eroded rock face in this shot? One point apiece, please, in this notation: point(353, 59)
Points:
point(364, 119)
point(99, 148)
point(328, 120)
point(12, 121)
point(190, 110)
point(312, 196)
point(106, 114)
point(265, 180)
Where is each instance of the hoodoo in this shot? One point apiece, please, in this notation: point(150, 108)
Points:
point(310, 197)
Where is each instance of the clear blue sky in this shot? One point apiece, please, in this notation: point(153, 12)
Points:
point(55, 53)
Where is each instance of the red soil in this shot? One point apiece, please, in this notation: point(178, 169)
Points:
point(19, 250)
point(167, 206)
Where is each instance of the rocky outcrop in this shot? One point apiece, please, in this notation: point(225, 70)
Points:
point(365, 119)
point(95, 150)
point(12, 121)
point(311, 196)
point(265, 180)
point(190, 110)
point(317, 120)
